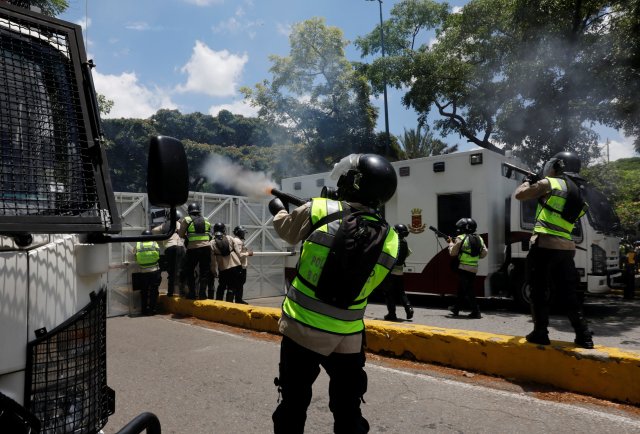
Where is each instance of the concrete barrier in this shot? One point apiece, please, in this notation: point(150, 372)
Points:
point(602, 372)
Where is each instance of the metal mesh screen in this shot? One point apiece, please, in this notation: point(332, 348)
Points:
point(66, 381)
point(45, 167)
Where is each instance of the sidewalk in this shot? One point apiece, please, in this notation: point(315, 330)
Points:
point(603, 372)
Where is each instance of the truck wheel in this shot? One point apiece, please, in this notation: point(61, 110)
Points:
point(520, 290)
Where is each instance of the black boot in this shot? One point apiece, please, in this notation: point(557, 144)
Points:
point(454, 310)
point(229, 296)
point(540, 333)
point(407, 306)
point(238, 297)
point(581, 327)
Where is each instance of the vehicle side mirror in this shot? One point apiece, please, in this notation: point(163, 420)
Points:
point(167, 172)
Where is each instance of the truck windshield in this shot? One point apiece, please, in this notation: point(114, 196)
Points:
point(601, 214)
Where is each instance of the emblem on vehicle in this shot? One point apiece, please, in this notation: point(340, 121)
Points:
point(416, 221)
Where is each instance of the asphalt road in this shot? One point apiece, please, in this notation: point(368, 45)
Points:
point(614, 321)
point(217, 379)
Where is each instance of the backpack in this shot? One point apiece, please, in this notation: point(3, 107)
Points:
point(403, 252)
point(575, 204)
point(475, 245)
point(223, 246)
point(355, 250)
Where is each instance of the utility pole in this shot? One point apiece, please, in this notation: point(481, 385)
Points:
point(384, 82)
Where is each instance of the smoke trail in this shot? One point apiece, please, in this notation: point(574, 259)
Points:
point(223, 171)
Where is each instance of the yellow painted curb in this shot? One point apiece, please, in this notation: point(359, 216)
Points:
point(603, 372)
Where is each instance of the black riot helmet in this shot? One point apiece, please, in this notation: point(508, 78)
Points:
point(562, 162)
point(179, 214)
point(402, 230)
point(240, 232)
point(219, 228)
point(368, 179)
point(466, 225)
point(146, 232)
point(194, 208)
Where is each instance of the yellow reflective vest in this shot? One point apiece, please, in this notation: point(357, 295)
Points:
point(196, 232)
point(465, 251)
point(301, 303)
point(147, 254)
point(548, 213)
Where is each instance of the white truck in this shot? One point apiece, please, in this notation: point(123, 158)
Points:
point(57, 212)
point(439, 190)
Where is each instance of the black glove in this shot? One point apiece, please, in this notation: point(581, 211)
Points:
point(276, 205)
point(531, 179)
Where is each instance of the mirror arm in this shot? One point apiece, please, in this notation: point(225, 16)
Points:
point(100, 238)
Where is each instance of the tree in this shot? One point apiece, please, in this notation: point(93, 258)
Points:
point(104, 105)
point(318, 95)
point(47, 7)
point(416, 144)
point(531, 76)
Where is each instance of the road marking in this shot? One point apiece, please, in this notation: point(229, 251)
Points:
point(521, 396)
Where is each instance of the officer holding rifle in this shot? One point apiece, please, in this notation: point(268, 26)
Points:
point(550, 258)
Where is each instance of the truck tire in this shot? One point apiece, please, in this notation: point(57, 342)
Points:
point(520, 289)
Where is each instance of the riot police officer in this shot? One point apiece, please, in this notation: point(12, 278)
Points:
point(552, 249)
point(196, 231)
point(317, 332)
point(468, 248)
point(148, 278)
point(394, 284)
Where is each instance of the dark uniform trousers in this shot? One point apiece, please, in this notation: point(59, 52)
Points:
point(175, 256)
point(553, 270)
point(202, 258)
point(147, 284)
point(299, 368)
point(465, 296)
point(394, 293)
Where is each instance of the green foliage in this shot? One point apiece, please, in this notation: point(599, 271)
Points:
point(246, 141)
point(620, 181)
point(531, 76)
point(417, 144)
point(47, 7)
point(104, 105)
point(318, 95)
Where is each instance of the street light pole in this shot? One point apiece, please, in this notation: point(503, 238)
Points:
point(384, 82)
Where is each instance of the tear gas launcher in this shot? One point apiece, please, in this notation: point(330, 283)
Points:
point(286, 197)
point(510, 168)
point(439, 233)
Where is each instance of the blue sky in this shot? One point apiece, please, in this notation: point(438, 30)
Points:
point(194, 55)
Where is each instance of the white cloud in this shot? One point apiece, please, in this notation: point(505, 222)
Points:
point(204, 2)
point(138, 25)
point(284, 29)
point(84, 23)
point(131, 99)
point(457, 9)
point(214, 73)
point(622, 148)
point(239, 107)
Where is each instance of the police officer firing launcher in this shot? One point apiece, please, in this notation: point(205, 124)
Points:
point(348, 249)
point(550, 258)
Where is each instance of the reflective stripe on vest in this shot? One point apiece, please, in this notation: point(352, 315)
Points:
point(548, 219)
point(465, 249)
point(192, 235)
point(301, 303)
point(147, 254)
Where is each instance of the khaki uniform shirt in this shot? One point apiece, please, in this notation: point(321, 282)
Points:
point(220, 262)
point(244, 252)
point(537, 190)
point(174, 240)
point(295, 227)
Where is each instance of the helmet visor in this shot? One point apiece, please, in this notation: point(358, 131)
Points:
point(343, 166)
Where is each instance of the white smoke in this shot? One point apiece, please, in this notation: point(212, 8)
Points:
point(223, 171)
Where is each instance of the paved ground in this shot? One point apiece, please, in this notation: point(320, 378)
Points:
point(203, 378)
point(615, 321)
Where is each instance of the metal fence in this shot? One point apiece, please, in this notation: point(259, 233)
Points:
point(265, 272)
